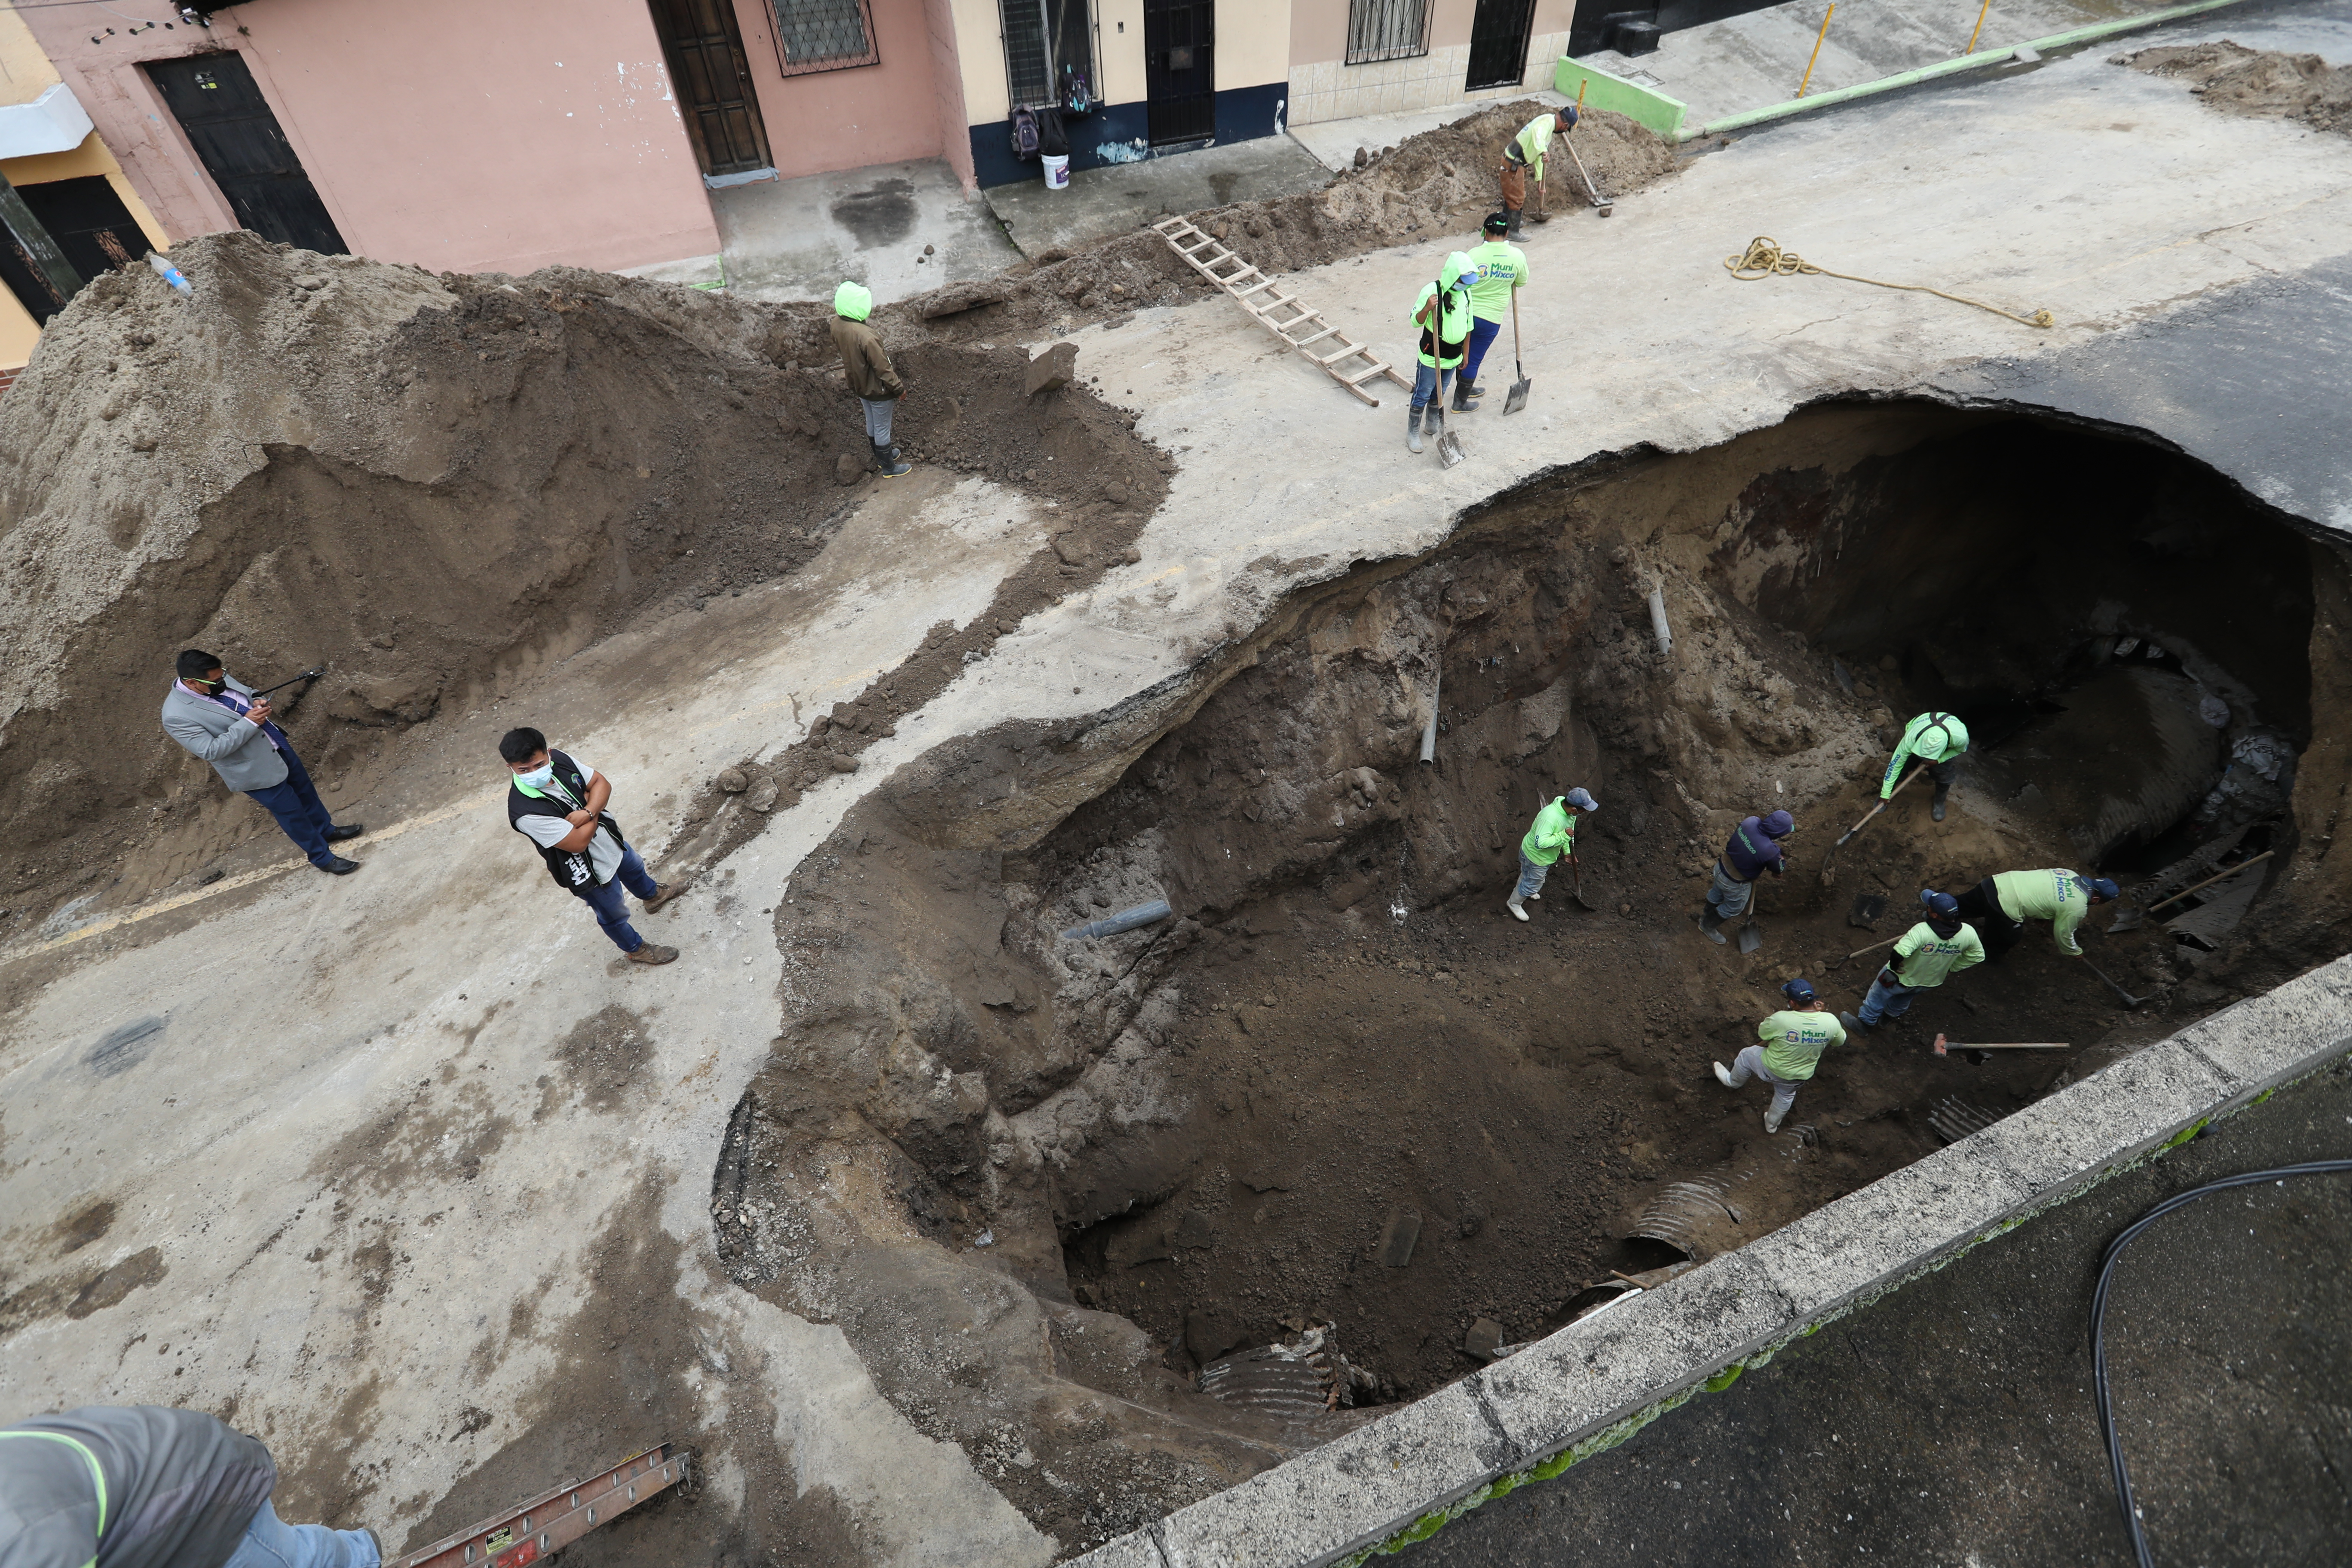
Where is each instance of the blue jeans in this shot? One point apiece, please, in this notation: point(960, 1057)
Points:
point(1482, 337)
point(1748, 1064)
point(1729, 894)
point(270, 1542)
point(612, 909)
point(1532, 878)
point(1429, 385)
point(296, 806)
point(878, 413)
point(1886, 1000)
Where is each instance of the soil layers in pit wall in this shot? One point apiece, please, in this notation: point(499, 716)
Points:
point(1113, 1161)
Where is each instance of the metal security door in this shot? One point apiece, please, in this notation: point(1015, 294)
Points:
point(238, 139)
point(1498, 43)
point(1180, 77)
point(87, 222)
point(703, 43)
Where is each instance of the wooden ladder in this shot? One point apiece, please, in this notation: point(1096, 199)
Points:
point(1286, 316)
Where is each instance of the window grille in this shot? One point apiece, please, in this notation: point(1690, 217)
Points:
point(825, 35)
point(1387, 30)
point(1025, 24)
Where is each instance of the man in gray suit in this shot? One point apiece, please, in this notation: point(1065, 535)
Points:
point(221, 721)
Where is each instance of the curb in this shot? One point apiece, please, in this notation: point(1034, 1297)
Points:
point(1594, 1385)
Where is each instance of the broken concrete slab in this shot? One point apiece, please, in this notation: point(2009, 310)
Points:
point(1053, 370)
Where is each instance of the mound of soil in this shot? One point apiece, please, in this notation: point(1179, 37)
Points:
point(425, 485)
point(2269, 83)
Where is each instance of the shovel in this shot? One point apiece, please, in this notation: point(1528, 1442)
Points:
point(1583, 900)
point(2132, 919)
point(1600, 204)
point(1882, 805)
point(1751, 939)
point(1449, 445)
point(2129, 1000)
point(1518, 397)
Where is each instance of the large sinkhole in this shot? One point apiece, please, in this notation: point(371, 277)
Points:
point(1341, 1102)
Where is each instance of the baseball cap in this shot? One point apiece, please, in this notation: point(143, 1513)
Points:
point(2099, 888)
point(1940, 904)
point(1779, 825)
point(1582, 801)
point(1798, 990)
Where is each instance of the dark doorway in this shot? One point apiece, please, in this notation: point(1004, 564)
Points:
point(703, 43)
point(1179, 78)
point(1498, 43)
point(90, 224)
point(237, 137)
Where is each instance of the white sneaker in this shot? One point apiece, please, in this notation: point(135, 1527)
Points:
point(1772, 1119)
point(1518, 912)
point(1537, 897)
point(1723, 1076)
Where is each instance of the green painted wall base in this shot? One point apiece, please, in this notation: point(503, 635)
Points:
point(1635, 102)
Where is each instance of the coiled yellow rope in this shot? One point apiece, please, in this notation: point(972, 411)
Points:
point(1765, 258)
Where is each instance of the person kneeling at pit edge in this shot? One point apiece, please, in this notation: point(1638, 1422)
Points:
point(1794, 1039)
point(558, 803)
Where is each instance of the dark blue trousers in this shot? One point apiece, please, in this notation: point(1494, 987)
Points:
point(296, 806)
point(612, 909)
point(1482, 338)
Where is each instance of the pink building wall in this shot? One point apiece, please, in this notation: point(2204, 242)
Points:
point(884, 113)
point(459, 135)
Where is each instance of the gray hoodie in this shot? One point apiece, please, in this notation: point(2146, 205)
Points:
point(128, 1486)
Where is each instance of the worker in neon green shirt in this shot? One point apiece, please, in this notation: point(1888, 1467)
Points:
point(1551, 836)
point(1793, 1040)
point(1927, 955)
point(2000, 906)
point(1524, 155)
point(1937, 740)
point(1443, 314)
point(1501, 270)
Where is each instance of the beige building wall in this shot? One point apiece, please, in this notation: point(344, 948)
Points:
point(1253, 43)
point(1121, 66)
point(979, 52)
point(1323, 86)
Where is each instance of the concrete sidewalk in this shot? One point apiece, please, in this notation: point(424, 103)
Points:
point(898, 229)
point(1117, 197)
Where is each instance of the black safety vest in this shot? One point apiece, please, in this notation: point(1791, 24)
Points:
point(570, 869)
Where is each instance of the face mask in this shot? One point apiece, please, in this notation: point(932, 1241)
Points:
point(539, 777)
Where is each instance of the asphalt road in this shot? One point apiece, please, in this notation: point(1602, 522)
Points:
point(1953, 1423)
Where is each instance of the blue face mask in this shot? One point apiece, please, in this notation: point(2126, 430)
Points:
point(539, 777)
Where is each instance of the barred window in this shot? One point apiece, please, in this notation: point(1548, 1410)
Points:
point(825, 35)
point(1387, 30)
point(1026, 24)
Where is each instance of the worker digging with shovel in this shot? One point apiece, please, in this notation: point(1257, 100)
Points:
point(1550, 836)
point(1499, 270)
point(2000, 906)
point(1930, 952)
point(1937, 740)
point(1443, 314)
point(1524, 155)
point(1754, 848)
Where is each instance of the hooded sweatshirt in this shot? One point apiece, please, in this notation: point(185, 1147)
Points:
point(862, 358)
point(1750, 851)
point(1933, 736)
point(1454, 316)
point(118, 1486)
point(1552, 834)
point(1933, 950)
point(2055, 895)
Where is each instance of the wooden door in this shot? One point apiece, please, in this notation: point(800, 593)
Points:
point(1180, 74)
point(237, 137)
point(87, 222)
point(1499, 31)
point(703, 43)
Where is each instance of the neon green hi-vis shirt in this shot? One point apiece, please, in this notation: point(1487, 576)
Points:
point(1932, 738)
point(1454, 316)
point(1923, 959)
point(1553, 835)
point(1794, 1041)
point(1501, 268)
point(2055, 895)
point(1534, 141)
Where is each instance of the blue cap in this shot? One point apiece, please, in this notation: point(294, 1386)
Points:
point(1779, 825)
point(1940, 904)
point(1582, 801)
point(2099, 888)
point(1798, 990)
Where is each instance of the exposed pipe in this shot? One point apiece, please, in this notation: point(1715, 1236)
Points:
point(1126, 920)
point(1658, 623)
point(1428, 731)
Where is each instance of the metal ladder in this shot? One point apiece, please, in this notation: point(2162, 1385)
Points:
point(1303, 327)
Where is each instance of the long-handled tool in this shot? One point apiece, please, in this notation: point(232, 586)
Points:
point(1583, 900)
point(1449, 445)
point(1518, 397)
point(305, 675)
point(2022, 1046)
point(1882, 805)
point(2129, 1000)
point(1857, 952)
point(2132, 919)
point(1751, 939)
point(1601, 204)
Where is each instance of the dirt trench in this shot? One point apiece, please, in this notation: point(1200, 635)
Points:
point(1043, 1183)
point(2265, 84)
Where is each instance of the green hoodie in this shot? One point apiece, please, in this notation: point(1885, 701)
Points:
point(1454, 316)
point(1553, 834)
point(1943, 737)
point(2055, 895)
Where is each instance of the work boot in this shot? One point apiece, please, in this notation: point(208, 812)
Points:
point(1519, 911)
point(1517, 214)
point(1853, 1021)
point(1710, 923)
point(1773, 1117)
point(346, 830)
point(1413, 431)
point(339, 867)
point(1935, 807)
point(652, 953)
point(886, 459)
point(1723, 1076)
point(664, 894)
point(1466, 396)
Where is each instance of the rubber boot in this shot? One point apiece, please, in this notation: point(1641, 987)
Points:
point(1711, 924)
point(1413, 431)
point(1466, 396)
point(1517, 214)
point(1936, 809)
point(886, 459)
point(1519, 911)
point(1853, 1021)
point(1723, 1076)
point(1773, 1117)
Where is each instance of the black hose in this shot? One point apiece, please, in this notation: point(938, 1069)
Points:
point(2121, 1472)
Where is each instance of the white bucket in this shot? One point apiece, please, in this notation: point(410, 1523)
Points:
point(1058, 170)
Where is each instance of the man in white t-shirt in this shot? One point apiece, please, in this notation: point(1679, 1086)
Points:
point(558, 803)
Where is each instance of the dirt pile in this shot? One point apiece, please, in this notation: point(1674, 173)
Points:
point(429, 486)
point(1208, 1134)
point(2268, 83)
